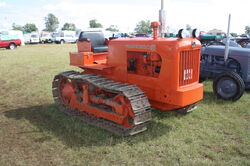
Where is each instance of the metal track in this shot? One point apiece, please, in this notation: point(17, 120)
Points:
point(138, 100)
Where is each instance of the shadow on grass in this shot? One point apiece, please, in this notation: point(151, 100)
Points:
point(210, 98)
point(167, 114)
point(75, 133)
point(247, 90)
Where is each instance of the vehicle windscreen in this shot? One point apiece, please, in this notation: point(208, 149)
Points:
point(45, 35)
point(55, 35)
point(34, 36)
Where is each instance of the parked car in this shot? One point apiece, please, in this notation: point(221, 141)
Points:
point(245, 35)
point(26, 38)
point(8, 43)
point(248, 46)
point(206, 38)
point(232, 43)
point(34, 38)
point(243, 41)
point(65, 37)
point(31, 38)
point(14, 33)
point(45, 37)
point(141, 35)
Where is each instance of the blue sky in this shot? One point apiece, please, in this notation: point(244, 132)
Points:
point(202, 14)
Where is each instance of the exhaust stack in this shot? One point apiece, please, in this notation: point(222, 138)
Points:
point(155, 25)
point(228, 40)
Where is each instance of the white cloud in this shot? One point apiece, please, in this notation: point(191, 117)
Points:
point(123, 15)
point(205, 14)
point(2, 4)
point(208, 14)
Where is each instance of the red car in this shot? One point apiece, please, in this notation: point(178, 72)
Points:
point(10, 44)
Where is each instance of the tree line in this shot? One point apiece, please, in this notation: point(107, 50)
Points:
point(52, 24)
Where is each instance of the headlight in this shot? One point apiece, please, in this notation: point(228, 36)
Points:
point(195, 33)
point(182, 34)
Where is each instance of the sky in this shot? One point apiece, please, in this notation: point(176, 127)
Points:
point(202, 14)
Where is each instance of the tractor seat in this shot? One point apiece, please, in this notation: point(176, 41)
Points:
point(100, 49)
point(97, 41)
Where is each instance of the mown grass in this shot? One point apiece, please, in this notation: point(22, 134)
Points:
point(33, 131)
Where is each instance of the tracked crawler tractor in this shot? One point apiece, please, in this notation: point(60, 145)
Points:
point(122, 80)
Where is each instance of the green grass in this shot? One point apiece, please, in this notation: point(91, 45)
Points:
point(33, 131)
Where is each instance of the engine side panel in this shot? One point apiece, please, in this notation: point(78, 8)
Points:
point(155, 67)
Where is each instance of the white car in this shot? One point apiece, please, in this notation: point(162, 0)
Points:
point(31, 38)
point(34, 38)
point(65, 37)
point(45, 37)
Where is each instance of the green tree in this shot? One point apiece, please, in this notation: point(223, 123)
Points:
point(51, 22)
point(17, 27)
point(112, 28)
point(94, 24)
point(247, 29)
point(143, 27)
point(29, 28)
point(69, 27)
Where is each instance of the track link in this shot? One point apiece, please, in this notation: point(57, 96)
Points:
point(138, 100)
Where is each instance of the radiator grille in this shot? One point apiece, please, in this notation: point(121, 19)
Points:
point(189, 67)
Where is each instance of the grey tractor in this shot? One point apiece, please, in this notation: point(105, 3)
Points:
point(231, 75)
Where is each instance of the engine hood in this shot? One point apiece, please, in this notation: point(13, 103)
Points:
point(220, 51)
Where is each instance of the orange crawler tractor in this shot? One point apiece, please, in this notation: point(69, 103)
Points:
point(120, 84)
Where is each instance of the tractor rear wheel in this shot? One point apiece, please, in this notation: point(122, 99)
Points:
point(228, 86)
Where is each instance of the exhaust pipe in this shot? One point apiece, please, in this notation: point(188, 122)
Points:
point(155, 25)
point(227, 40)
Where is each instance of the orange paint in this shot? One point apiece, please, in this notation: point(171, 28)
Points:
point(166, 69)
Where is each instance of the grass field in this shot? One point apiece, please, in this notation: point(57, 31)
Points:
point(34, 133)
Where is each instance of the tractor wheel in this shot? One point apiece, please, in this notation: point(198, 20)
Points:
point(228, 86)
point(12, 46)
